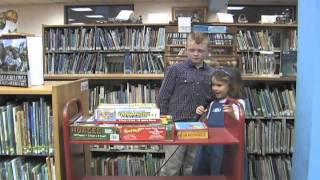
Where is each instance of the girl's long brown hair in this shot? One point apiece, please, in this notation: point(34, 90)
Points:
point(232, 76)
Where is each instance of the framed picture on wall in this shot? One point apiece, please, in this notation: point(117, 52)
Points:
point(197, 14)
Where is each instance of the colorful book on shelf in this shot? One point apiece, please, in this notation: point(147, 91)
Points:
point(191, 130)
point(289, 63)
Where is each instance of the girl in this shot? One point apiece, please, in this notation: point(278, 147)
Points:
point(227, 87)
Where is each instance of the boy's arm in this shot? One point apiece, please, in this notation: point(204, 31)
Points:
point(166, 90)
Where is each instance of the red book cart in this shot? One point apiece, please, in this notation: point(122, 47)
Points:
point(232, 136)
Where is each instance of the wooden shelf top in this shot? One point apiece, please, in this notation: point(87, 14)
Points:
point(45, 89)
point(175, 55)
point(268, 118)
point(258, 51)
point(176, 45)
point(171, 28)
point(267, 78)
point(118, 76)
point(254, 25)
point(112, 25)
point(153, 178)
point(104, 76)
point(115, 51)
point(216, 136)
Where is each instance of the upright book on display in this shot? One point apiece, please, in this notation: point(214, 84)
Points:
point(14, 64)
point(20, 60)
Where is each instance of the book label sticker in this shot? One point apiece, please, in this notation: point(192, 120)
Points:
point(84, 86)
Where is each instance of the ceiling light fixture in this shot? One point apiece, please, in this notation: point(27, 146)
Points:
point(78, 23)
point(82, 9)
point(235, 8)
point(95, 16)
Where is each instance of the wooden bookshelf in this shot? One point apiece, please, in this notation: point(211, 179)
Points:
point(91, 48)
point(222, 46)
point(267, 78)
point(293, 25)
point(151, 77)
point(250, 79)
point(59, 92)
point(105, 76)
point(45, 89)
point(154, 178)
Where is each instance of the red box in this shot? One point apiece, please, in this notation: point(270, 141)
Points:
point(143, 133)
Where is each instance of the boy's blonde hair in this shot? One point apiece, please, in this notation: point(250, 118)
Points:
point(198, 38)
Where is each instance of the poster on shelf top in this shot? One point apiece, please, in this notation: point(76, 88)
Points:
point(20, 60)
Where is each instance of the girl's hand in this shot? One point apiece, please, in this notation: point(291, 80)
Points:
point(229, 110)
point(201, 110)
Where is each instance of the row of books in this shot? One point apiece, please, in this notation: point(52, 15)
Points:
point(270, 137)
point(220, 39)
point(124, 93)
point(127, 148)
point(176, 51)
point(132, 38)
point(259, 64)
point(21, 169)
point(92, 63)
point(175, 38)
point(290, 41)
point(259, 102)
point(126, 165)
point(266, 40)
point(273, 102)
point(26, 128)
point(214, 38)
point(270, 168)
point(104, 38)
point(144, 63)
point(69, 38)
point(254, 40)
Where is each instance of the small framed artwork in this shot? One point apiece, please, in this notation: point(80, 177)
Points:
point(197, 14)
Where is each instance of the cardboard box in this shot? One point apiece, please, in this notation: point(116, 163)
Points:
point(191, 130)
point(94, 132)
point(140, 133)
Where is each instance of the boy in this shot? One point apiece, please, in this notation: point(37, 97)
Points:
point(186, 86)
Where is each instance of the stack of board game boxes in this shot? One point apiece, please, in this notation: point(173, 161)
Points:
point(127, 122)
point(134, 122)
